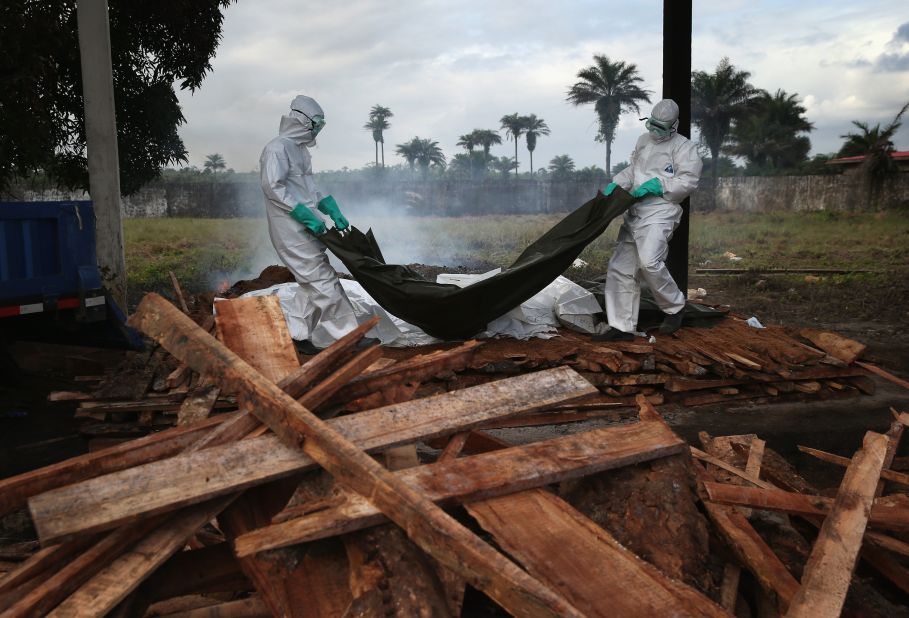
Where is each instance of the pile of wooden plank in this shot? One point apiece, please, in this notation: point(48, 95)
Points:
point(805, 578)
point(729, 361)
point(312, 498)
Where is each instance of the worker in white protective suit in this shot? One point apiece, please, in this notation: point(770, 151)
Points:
point(291, 201)
point(664, 170)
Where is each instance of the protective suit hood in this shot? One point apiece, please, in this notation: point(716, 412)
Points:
point(297, 125)
point(663, 120)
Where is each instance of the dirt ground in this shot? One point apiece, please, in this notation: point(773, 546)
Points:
point(873, 310)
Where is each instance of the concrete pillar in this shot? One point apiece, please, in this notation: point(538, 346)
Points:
point(677, 86)
point(101, 137)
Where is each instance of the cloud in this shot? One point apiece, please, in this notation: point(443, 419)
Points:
point(446, 68)
point(898, 59)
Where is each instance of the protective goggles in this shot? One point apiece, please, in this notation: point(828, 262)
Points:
point(658, 127)
point(316, 122)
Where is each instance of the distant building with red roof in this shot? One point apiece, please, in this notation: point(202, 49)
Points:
point(850, 165)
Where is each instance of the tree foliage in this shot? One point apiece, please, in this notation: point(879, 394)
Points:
point(487, 138)
point(612, 88)
point(561, 167)
point(876, 144)
point(533, 128)
point(770, 136)
point(514, 125)
point(153, 45)
point(422, 152)
point(378, 124)
point(214, 163)
point(717, 100)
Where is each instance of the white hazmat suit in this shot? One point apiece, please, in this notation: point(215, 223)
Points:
point(286, 179)
point(643, 240)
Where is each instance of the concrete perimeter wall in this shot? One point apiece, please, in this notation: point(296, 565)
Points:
point(453, 198)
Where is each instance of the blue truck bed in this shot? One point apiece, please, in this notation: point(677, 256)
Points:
point(49, 275)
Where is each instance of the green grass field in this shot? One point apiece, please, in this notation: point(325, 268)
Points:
point(203, 251)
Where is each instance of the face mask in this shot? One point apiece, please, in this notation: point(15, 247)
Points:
point(316, 123)
point(658, 129)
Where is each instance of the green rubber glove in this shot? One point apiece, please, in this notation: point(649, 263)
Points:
point(308, 218)
point(648, 187)
point(329, 206)
point(609, 189)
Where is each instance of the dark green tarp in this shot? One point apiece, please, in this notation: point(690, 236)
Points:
point(449, 312)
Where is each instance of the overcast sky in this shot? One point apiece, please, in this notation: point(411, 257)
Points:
point(446, 68)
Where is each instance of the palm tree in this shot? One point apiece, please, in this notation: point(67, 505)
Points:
point(514, 127)
point(769, 135)
point(486, 138)
point(424, 152)
point(467, 141)
point(858, 144)
point(409, 150)
point(214, 162)
point(718, 99)
point(533, 128)
point(503, 165)
point(876, 144)
point(561, 166)
point(378, 122)
point(613, 88)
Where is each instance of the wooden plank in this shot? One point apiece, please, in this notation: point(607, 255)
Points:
point(584, 562)
point(680, 385)
point(43, 561)
point(488, 474)
point(198, 404)
point(416, 369)
point(15, 491)
point(883, 513)
point(426, 525)
point(897, 477)
point(320, 366)
point(109, 501)
point(828, 572)
point(119, 577)
point(884, 374)
point(341, 378)
point(732, 572)
point(837, 346)
point(54, 588)
point(750, 548)
point(719, 463)
point(250, 607)
point(256, 330)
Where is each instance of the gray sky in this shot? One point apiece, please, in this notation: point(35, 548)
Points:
point(446, 68)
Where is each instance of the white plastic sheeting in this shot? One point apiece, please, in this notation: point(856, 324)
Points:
point(562, 302)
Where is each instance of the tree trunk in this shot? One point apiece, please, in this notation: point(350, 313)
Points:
point(609, 160)
point(515, 156)
point(531, 162)
point(383, 155)
point(377, 154)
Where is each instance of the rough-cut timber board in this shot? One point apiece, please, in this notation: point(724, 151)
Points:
point(837, 346)
point(883, 513)
point(105, 502)
point(15, 490)
point(266, 351)
point(109, 586)
point(750, 548)
point(560, 546)
point(828, 572)
point(479, 476)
